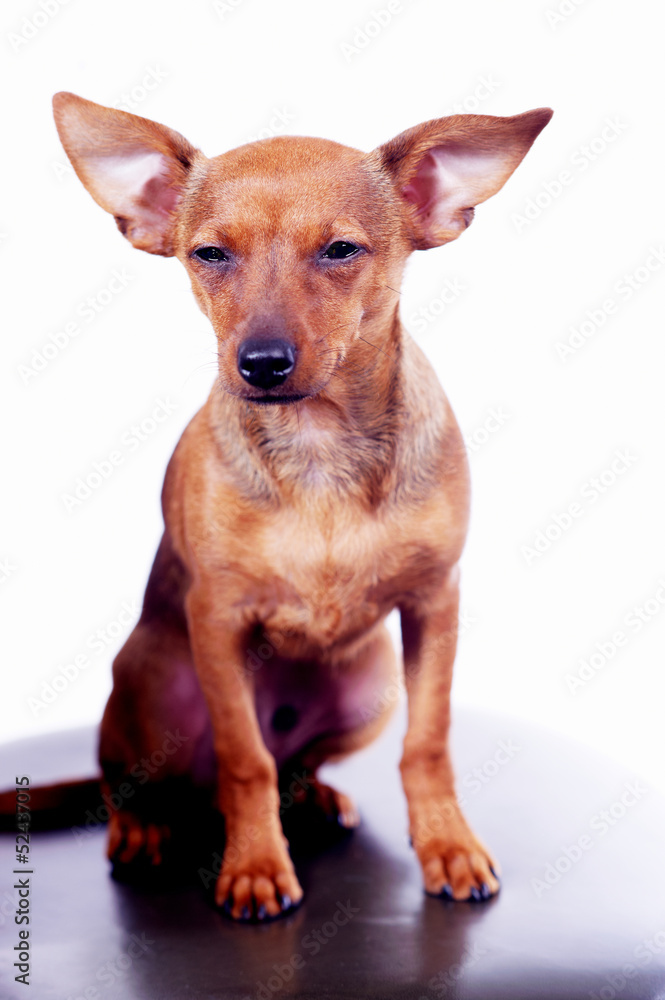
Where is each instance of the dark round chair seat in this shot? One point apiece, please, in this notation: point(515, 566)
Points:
point(580, 914)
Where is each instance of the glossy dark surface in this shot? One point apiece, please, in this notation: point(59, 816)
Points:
point(366, 929)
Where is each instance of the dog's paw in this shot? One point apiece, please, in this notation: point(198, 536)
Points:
point(334, 806)
point(131, 840)
point(259, 885)
point(456, 865)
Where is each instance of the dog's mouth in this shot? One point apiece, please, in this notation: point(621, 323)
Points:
point(279, 400)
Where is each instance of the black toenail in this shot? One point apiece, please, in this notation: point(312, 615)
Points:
point(261, 913)
point(446, 892)
point(286, 902)
point(485, 890)
point(494, 873)
point(284, 719)
point(244, 914)
point(475, 895)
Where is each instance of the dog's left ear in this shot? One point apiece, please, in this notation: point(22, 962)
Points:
point(443, 168)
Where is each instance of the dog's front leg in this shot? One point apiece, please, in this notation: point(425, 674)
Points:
point(454, 862)
point(257, 878)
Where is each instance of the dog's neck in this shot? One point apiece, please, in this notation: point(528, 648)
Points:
point(341, 441)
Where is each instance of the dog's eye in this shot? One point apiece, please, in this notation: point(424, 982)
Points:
point(340, 250)
point(210, 254)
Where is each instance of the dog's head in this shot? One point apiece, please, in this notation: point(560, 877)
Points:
point(293, 245)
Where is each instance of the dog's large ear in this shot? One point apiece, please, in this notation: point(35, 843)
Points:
point(443, 168)
point(132, 167)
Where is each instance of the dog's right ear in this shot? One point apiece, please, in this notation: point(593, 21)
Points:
point(134, 168)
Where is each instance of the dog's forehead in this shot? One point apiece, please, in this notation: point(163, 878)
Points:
point(287, 176)
point(286, 156)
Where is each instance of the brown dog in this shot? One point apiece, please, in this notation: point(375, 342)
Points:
point(323, 483)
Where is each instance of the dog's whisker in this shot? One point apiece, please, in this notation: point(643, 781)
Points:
point(323, 337)
point(206, 366)
point(345, 363)
point(341, 362)
point(375, 347)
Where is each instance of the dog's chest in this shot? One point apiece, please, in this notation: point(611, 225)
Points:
point(328, 581)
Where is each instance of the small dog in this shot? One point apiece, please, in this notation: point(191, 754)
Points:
point(323, 484)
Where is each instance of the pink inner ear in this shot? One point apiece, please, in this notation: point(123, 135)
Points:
point(135, 183)
point(450, 180)
point(159, 195)
point(423, 188)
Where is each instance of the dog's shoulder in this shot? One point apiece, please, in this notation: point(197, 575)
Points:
point(431, 457)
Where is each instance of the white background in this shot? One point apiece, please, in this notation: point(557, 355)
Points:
point(222, 75)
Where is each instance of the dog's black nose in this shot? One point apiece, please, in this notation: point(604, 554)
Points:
point(265, 363)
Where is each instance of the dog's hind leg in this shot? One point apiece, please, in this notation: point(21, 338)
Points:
point(155, 746)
